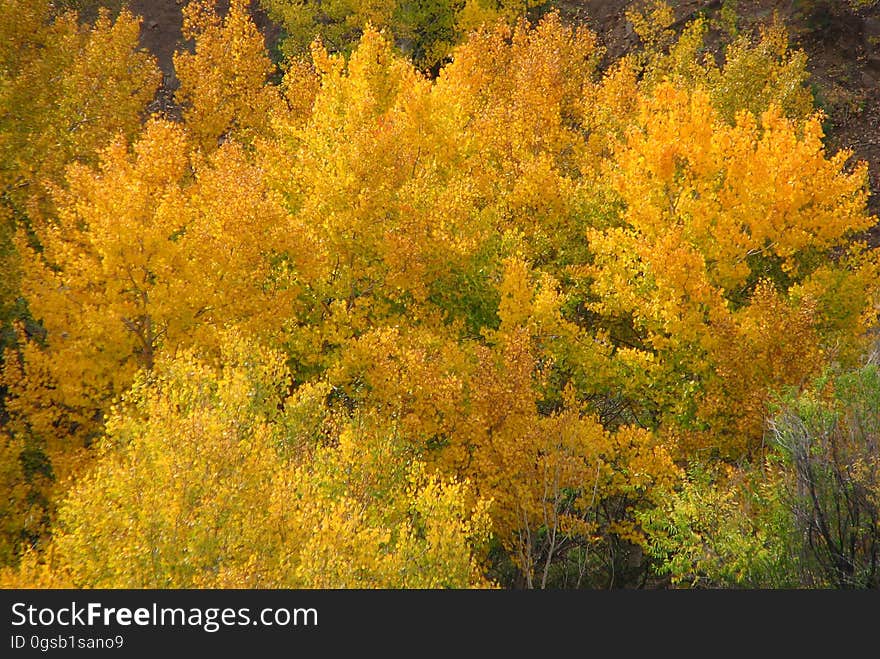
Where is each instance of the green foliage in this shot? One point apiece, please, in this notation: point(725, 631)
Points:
point(829, 439)
point(755, 76)
point(424, 30)
point(808, 517)
point(756, 72)
point(725, 530)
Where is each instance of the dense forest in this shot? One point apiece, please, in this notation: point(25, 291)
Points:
point(434, 294)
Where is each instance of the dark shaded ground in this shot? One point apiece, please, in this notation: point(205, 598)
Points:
point(843, 47)
point(161, 35)
point(160, 30)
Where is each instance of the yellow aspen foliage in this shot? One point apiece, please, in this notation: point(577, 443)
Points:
point(224, 83)
point(512, 98)
point(408, 185)
point(610, 106)
point(244, 254)
point(339, 24)
point(755, 73)
point(150, 249)
point(711, 210)
point(845, 300)
point(552, 472)
point(90, 286)
point(513, 296)
point(770, 345)
point(362, 175)
point(653, 25)
point(195, 487)
point(516, 294)
point(444, 209)
point(382, 520)
point(67, 89)
point(555, 481)
point(299, 87)
point(35, 570)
